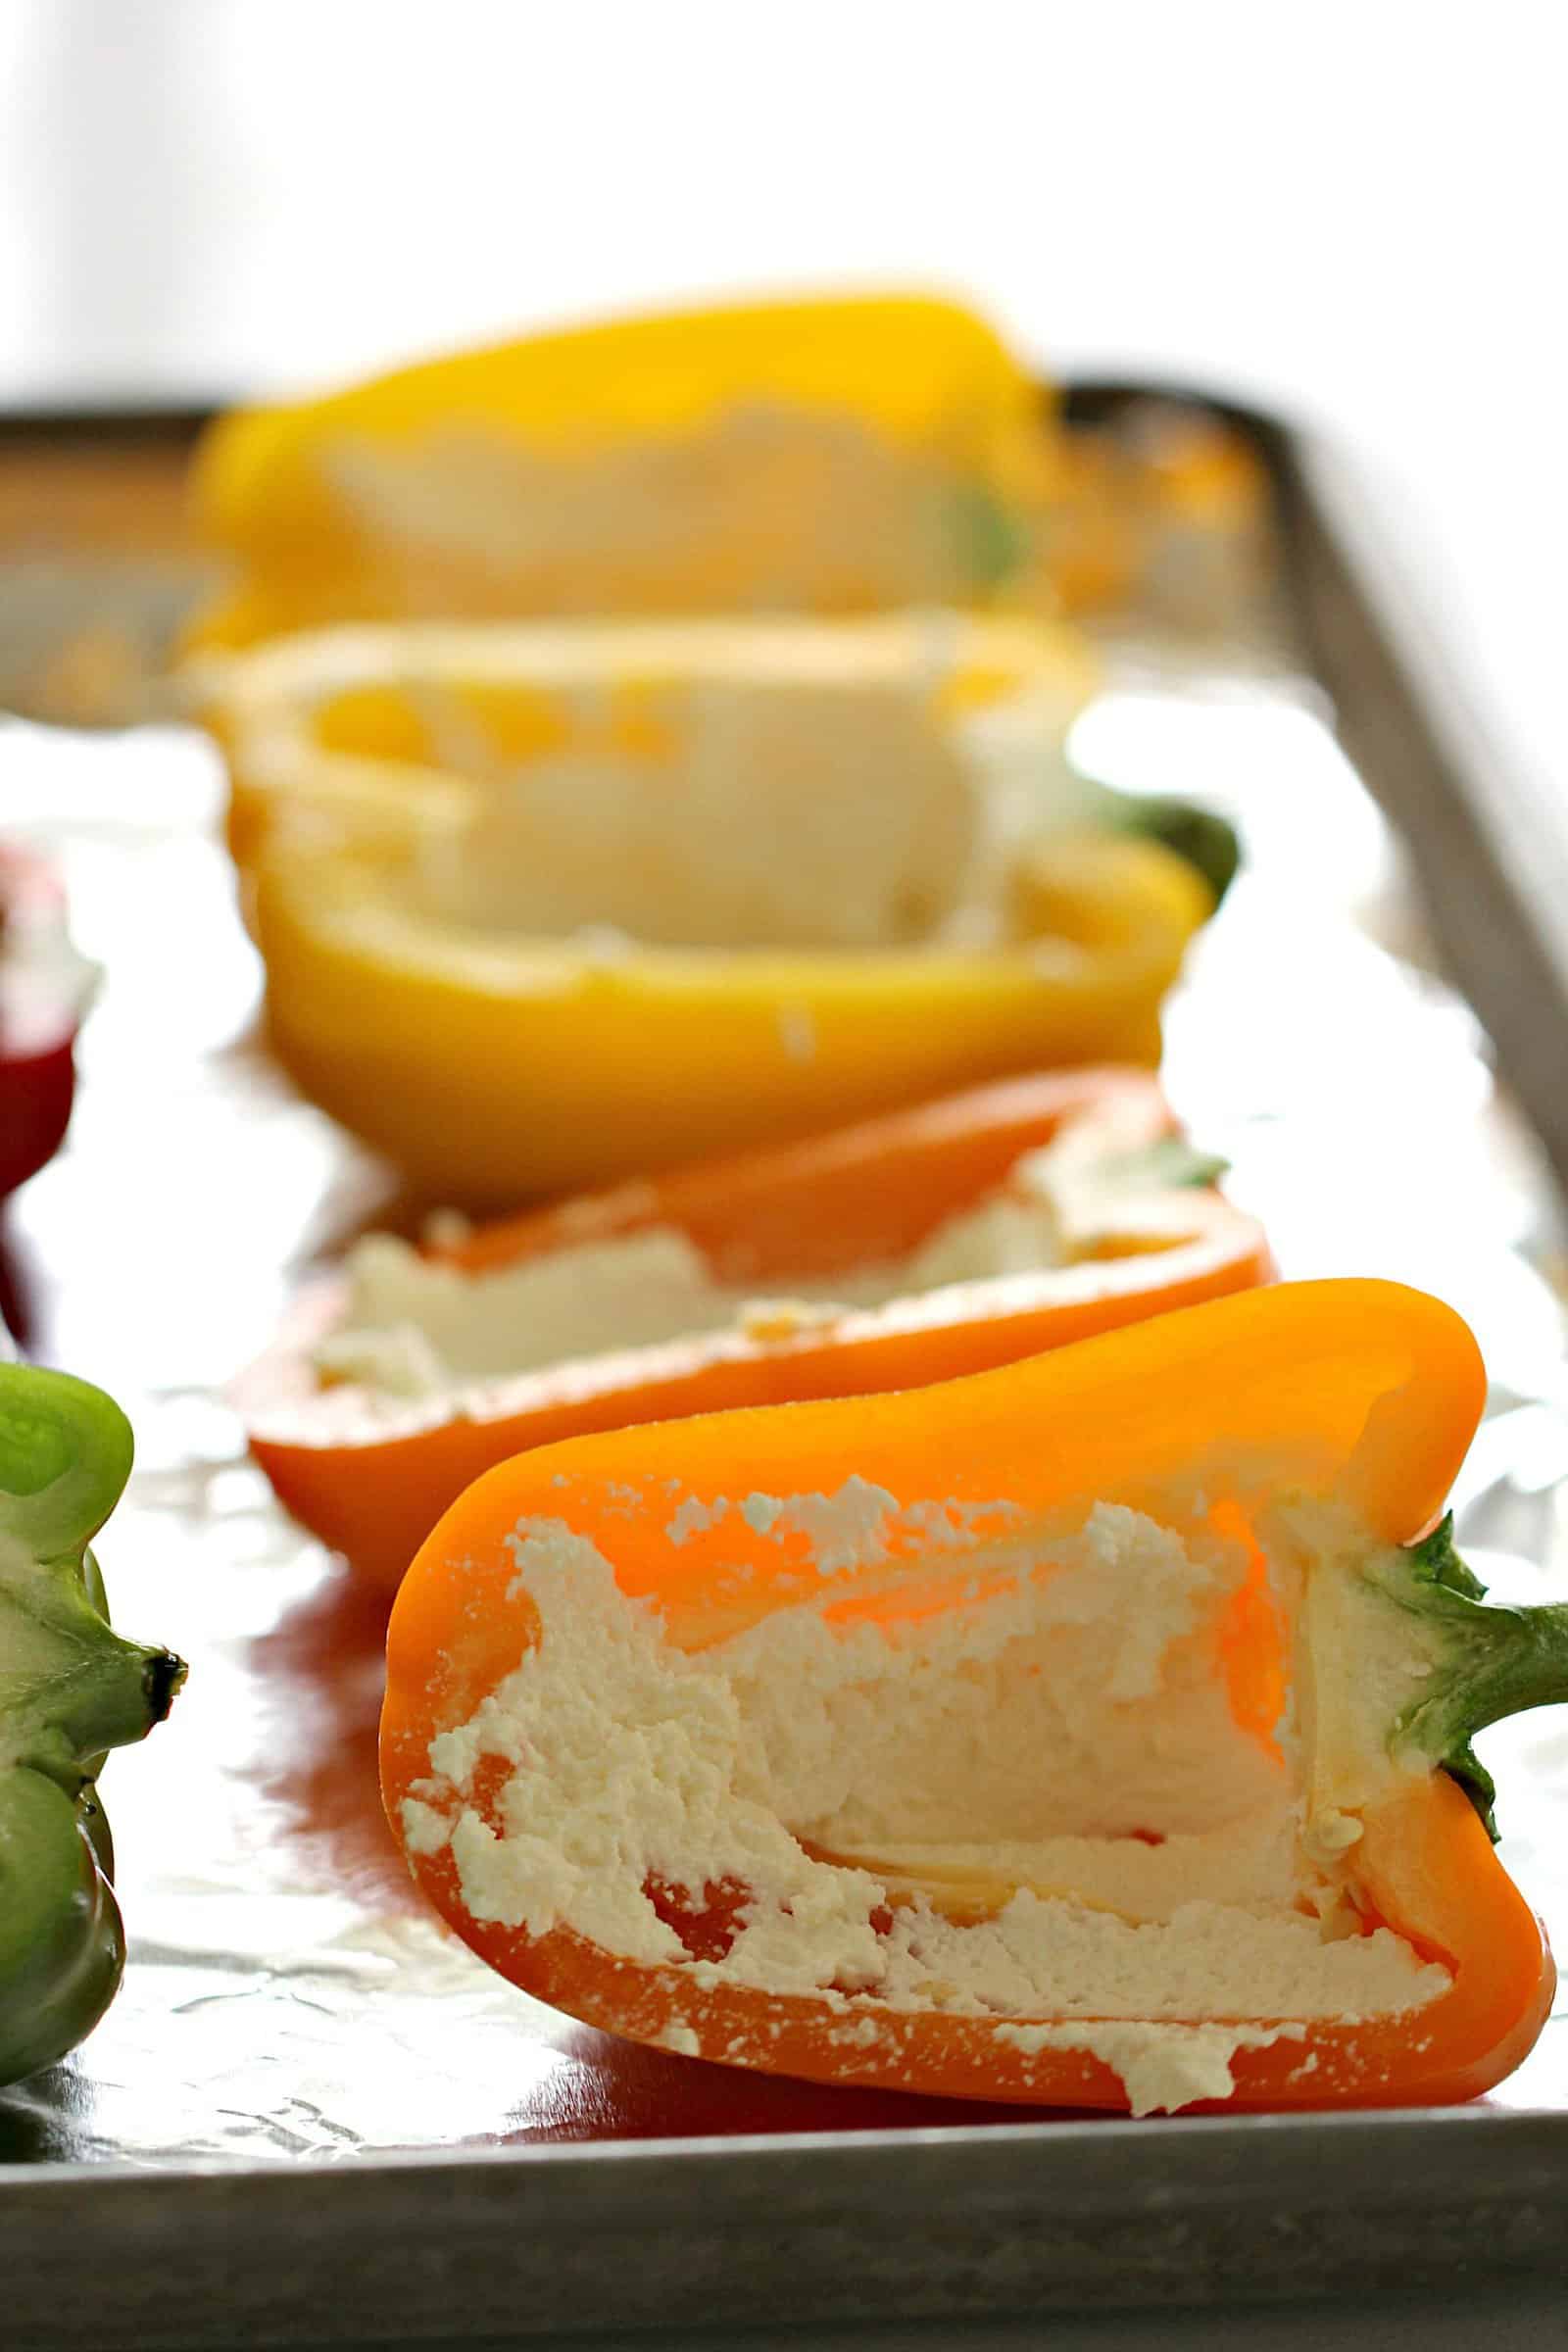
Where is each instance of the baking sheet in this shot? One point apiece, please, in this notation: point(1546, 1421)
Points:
point(287, 2001)
point(99, 562)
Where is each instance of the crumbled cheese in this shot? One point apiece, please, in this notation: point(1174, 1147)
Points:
point(1037, 1705)
point(416, 1328)
point(853, 1528)
point(695, 1517)
point(915, 1731)
point(424, 1830)
point(864, 2034)
point(1162, 2067)
point(846, 1529)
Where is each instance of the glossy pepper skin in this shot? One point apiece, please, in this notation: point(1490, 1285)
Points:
point(498, 1072)
point(70, 1688)
point(855, 1196)
point(1363, 1393)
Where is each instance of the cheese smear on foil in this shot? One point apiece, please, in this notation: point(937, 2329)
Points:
point(1050, 1722)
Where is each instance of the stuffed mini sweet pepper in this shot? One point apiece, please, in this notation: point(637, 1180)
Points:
point(541, 908)
point(847, 454)
point(70, 1688)
point(942, 1240)
point(842, 455)
point(1093, 1733)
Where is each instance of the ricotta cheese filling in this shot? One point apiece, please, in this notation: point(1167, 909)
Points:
point(740, 787)
point(416, 1329)
point(824, 503)
point(1001, 1777)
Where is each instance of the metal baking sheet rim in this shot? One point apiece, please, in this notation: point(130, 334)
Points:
point(1408, 724)
point(513, 2243)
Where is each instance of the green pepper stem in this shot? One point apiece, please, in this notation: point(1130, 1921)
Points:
point(1505, 1661)
point(1486, 1660)
point(117, 1693)
point(1169, 1165)
point(1202, 835)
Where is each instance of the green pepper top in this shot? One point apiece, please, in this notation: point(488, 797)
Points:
point(70, 1688)
point(1205, 839)
point(1486, 1660)
point(1402, 1660)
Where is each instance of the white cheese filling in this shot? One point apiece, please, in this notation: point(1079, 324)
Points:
point(738, 787)
point(415, 1328)
point(827, 501)
point(1014, 1792)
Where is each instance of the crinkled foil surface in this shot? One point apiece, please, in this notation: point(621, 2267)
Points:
point(286, 1995)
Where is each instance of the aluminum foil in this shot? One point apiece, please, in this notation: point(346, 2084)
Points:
point(287, 1994)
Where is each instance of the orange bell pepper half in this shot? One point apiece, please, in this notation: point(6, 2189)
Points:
point(1091, 1733)
point(371, 1477)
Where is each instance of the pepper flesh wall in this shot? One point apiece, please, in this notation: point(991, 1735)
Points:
point(1249, 1874)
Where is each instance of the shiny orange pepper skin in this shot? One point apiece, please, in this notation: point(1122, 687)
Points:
point(1360, 1391)
point(855, 1196)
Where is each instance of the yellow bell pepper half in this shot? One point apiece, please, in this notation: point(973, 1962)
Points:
point(544, 908)
point(830, 456)
point(492, 1069)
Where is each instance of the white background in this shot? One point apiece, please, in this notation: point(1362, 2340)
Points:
point(1355, 210)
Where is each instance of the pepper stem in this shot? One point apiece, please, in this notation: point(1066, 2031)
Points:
point(1498, 1660)
point(1509, 1660)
